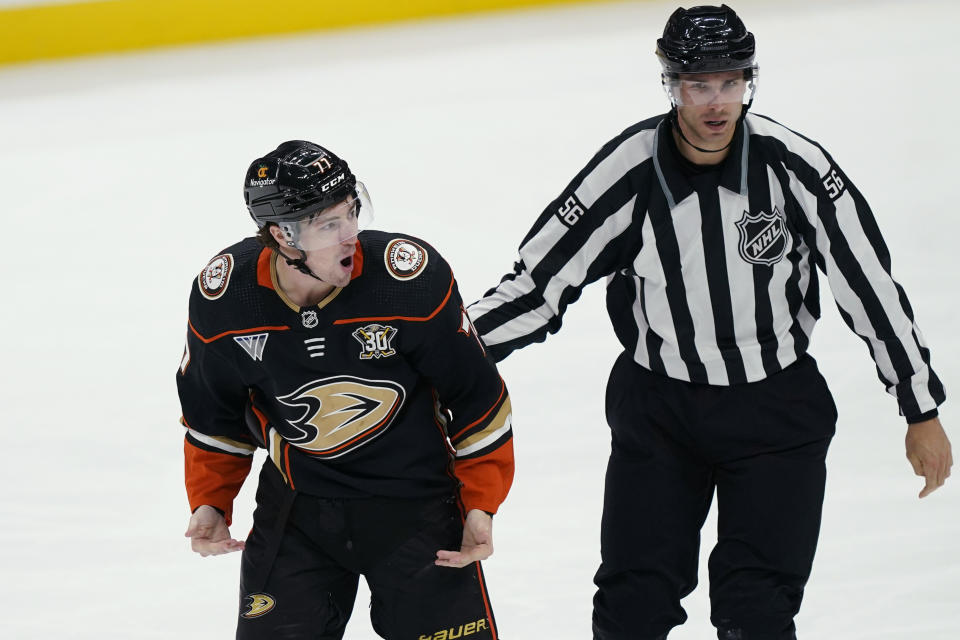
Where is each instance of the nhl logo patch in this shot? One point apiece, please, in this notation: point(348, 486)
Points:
point(215, 277)
point(405, 259)
point(309, 318)
point(763, 237)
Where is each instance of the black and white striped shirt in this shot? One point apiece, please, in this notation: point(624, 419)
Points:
point(711, 276)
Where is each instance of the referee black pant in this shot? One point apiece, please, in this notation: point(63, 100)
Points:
point(761, 446)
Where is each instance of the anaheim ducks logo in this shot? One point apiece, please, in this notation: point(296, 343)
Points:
point(340, 414)
point(215, 277)
point(405, 259)
point(260, 604)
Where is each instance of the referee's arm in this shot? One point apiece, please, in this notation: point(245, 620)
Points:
point(856, 261)
point(581, 236)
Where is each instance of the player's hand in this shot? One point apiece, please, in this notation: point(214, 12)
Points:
point(928, 450)
point(208, 533)
point(477, 542)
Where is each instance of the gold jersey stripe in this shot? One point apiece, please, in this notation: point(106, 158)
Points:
point(497, 423)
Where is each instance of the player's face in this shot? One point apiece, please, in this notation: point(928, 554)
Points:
point(328, 227)
point(334, 265)
point(709, 105)
point(328, 238)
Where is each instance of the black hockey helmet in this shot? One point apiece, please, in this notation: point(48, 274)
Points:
point(705, 40)
point(294, 180)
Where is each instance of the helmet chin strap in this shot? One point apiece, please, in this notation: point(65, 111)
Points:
point(300, 264)
point(675, 120)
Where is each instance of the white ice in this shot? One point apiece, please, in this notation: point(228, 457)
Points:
point(121, 176)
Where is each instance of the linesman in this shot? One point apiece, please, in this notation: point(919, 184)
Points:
point(710, 225)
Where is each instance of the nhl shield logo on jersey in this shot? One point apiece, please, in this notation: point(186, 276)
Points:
point(763, 237)
point(215, 277)
point(309, 318)
point(376, 340)
point(405, 259)
point(260, 604)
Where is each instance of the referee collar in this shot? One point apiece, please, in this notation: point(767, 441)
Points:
point(676, 182)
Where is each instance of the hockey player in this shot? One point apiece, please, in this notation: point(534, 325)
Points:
point(348, 356)
point(709, 224)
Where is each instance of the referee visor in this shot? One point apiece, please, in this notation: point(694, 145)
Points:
point(721, 87)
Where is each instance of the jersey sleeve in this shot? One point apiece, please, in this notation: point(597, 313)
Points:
point(449, 354)
point(852, 253)
point(580, 237)
point(218, 448)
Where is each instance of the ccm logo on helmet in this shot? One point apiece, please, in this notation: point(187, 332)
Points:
point(334, 182)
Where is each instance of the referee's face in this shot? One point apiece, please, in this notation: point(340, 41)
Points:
point(709, 105)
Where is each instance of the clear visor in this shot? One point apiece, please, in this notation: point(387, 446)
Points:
point(331, 226)
point(699, 89)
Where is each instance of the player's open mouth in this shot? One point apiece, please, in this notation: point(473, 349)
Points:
point(716, 124)
point(347, 262)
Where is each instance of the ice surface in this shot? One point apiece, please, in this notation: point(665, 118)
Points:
point(121, 177)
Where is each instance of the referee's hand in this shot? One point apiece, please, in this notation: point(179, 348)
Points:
point(928, 450)
point(477, 542)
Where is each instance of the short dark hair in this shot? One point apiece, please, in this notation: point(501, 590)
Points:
point(266, 238)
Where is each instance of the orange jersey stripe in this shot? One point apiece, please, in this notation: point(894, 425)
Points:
point(409, 319)
point(263, 268)
point(233, 332)
point(357, 262)
point(263, 422)
point(286, 461)
point(486, 601)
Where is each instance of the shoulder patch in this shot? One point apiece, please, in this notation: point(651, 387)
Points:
point(405, 259)
point(215, 277)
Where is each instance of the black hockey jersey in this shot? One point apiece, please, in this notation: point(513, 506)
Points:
point(381, 389)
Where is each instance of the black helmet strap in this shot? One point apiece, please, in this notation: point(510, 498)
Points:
point(300, 264)
point(676, 125)
point(675, 121)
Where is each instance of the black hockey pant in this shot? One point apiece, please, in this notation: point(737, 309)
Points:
point(302, 562)
point(761, 446)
